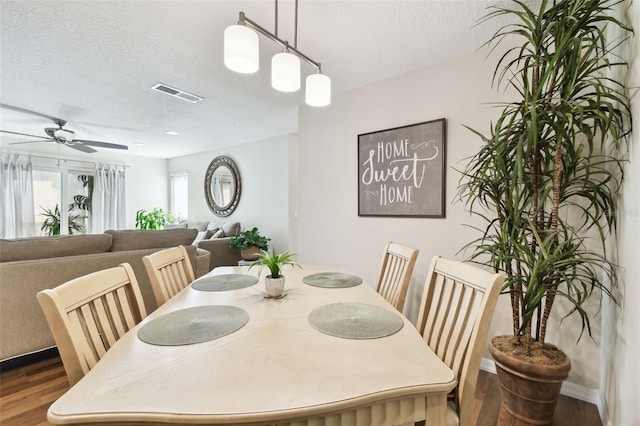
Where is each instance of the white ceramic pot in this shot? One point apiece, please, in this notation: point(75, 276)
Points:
point(274, 286)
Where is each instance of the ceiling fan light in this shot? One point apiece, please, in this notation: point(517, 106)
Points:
point(63, 134)
point(318, 90)
point(241, 51)
point(285, 72)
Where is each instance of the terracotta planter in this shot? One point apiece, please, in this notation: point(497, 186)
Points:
point(274, 286)
point(529, 391)
point(250, 253)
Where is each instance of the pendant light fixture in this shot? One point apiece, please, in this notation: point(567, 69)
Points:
point(241, 55)
point(241, 49)
point(285, 72)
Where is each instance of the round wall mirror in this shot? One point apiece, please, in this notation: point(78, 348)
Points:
point(222, 186)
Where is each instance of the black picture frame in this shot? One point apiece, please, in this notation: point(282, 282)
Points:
point(402, 171)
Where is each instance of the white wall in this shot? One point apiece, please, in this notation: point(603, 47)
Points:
point(264, 201)
point(147, 186)
point(621, 345)
point(329, 229)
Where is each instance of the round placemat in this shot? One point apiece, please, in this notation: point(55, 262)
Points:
point(332, 280)
point(193, 325)
point(224, 282)
point(355, 321)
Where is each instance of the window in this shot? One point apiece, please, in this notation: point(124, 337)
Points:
point(61, 196)
point(180, 194)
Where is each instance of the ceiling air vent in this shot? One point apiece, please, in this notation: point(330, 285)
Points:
point(177, 93)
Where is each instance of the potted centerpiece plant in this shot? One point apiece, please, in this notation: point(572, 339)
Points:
point(274, 283)
point(154, 219)
point(545, 182)
point(250, 243)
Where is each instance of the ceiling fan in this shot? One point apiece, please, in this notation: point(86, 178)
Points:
point(66, 137)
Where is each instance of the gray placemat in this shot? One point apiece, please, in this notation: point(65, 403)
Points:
point(355, 321)
point(224, 282)
point(332, 280)
point(193, 325)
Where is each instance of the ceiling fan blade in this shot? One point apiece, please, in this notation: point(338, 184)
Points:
point(23, 134)
point(26, 111)
point(20, 143)
point(81, 147)
point(102, 144)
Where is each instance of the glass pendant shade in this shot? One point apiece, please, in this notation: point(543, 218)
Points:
point(318, 90)
point(241, 51)
point(285, 72)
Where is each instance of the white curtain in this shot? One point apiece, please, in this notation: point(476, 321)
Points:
point(108, 210)
point(16, 195)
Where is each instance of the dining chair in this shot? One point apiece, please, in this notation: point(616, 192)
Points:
point(395, 274)
point(87, 315)
point(169, 271)
point(455, 313)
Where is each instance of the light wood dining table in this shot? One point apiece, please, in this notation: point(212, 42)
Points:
point(275, 370)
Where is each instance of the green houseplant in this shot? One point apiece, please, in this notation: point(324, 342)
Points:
point(51, 224)
point(546, 178)
point(274, 283)
point(154, 219)
point(250, 242)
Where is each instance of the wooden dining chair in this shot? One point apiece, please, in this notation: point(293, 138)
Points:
point(395, 274)
point(169, 271)
point(456, 310)
point(87, 315)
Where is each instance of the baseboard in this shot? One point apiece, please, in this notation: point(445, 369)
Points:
point(602, 410)
point(569, 389)
point(30, 358)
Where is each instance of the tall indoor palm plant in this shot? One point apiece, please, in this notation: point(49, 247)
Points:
point(545, 180)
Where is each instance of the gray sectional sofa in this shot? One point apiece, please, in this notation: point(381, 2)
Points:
point(214, 237)
point(29, 265)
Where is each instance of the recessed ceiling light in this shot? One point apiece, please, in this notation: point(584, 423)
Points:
point(137, 143)
point(172, 133)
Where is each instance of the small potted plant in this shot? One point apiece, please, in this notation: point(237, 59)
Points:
point(250, 242)
point(274, 283)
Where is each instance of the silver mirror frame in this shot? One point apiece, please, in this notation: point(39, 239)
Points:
point(226, 210)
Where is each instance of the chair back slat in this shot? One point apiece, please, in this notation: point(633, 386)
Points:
point(89, 314)
point(395, 274)
point(170, 271)
point(455, 313)
point(448, 322)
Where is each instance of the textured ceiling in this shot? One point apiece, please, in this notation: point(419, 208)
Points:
point(92, 63)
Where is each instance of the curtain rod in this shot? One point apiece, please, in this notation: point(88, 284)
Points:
point(66, 159)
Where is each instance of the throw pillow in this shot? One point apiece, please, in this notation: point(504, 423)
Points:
point(201, 236)
point(217, 234)
point(211, 232)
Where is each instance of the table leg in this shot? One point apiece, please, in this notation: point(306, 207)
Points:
point(436, 410)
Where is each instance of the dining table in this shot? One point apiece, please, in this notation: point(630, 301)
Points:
point(329, 351)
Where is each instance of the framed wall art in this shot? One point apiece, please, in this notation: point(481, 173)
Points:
point(401, 171)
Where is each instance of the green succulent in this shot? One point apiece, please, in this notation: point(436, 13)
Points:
point(275, 262)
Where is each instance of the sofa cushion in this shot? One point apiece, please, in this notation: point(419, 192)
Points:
point(175, 226)
point(200, 225)
point(45, 247)
point(136, 239)
point(229, 229)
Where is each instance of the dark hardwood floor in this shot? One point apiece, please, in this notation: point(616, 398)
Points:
point(27, 392)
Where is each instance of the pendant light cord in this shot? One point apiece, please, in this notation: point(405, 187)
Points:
point(295, 28)
point(276, 33)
